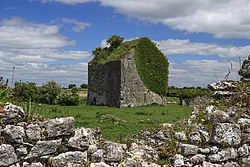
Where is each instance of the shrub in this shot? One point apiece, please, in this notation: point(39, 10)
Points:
point(84, 86)
point(68, 98)
point(49, 92)
point(26, 91)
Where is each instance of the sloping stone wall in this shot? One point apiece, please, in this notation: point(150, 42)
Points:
point(133, 91)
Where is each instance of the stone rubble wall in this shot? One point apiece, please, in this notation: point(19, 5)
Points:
point(57, 143)
point(211, 137)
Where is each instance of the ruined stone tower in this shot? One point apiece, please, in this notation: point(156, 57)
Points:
point(117, 81)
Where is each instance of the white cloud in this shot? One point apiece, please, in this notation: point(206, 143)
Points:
point(201, 72)
point(28, 35)
point(40, 73)
point(177, 46)
point(223, 19)
point(25, 41)
point(35, 50)
point(78, 26)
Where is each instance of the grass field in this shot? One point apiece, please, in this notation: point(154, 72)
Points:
point(116, 123)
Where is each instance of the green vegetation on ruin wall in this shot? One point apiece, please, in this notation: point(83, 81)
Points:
point(152, 66)
point(151, 63)
point(109, 54)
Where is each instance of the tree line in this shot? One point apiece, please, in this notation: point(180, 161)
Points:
point(49, 93)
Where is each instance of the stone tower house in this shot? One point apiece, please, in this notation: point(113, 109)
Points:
point(117, 83)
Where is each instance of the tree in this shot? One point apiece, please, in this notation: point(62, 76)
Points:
point(49, 92)
point(115, 41)
point(84, 86)
point(72, 86)
point(25, 91)
point(98, 52)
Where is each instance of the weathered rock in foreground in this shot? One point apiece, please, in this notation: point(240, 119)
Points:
point(44, 148)
point(226, 134)
point(69, 159)
point(7, 155)
point(14, 134)
point(13, 114)
point(59, 127)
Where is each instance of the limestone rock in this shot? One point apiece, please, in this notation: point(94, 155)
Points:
point(36, 164)
point(178, 160)
point(204, 136)
point(223, 155)
point(22, 151)
point(7, 155)
point(114, 151)
point(214, 149)
point(139, 151)
point(92, 148)
point(100, 164)
point(129, 162)
point(204, 150)
point(33, 132)
point(59, 127)
point(245, 138)
point(44, 148)
point(181, 136)
point(244, 150)
point(246, 162)
point(13, 114)
point(226, 134)
point(198, 158)
point(14, 134)
point(244, 124)
point(69, 159)
point(231, 164)
point(188, 149)
point(82, 139)
point(195, 138)
point(209, 164)
point(218, 116)
point(147, 164)
point(97, 156)
point(223, 86)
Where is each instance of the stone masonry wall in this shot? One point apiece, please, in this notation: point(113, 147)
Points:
point(104, 84)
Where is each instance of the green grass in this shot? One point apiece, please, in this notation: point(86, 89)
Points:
point(117, 123)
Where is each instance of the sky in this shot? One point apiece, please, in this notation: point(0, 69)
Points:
point(53, 39)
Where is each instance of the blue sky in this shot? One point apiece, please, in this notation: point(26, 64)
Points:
point(53, 39)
